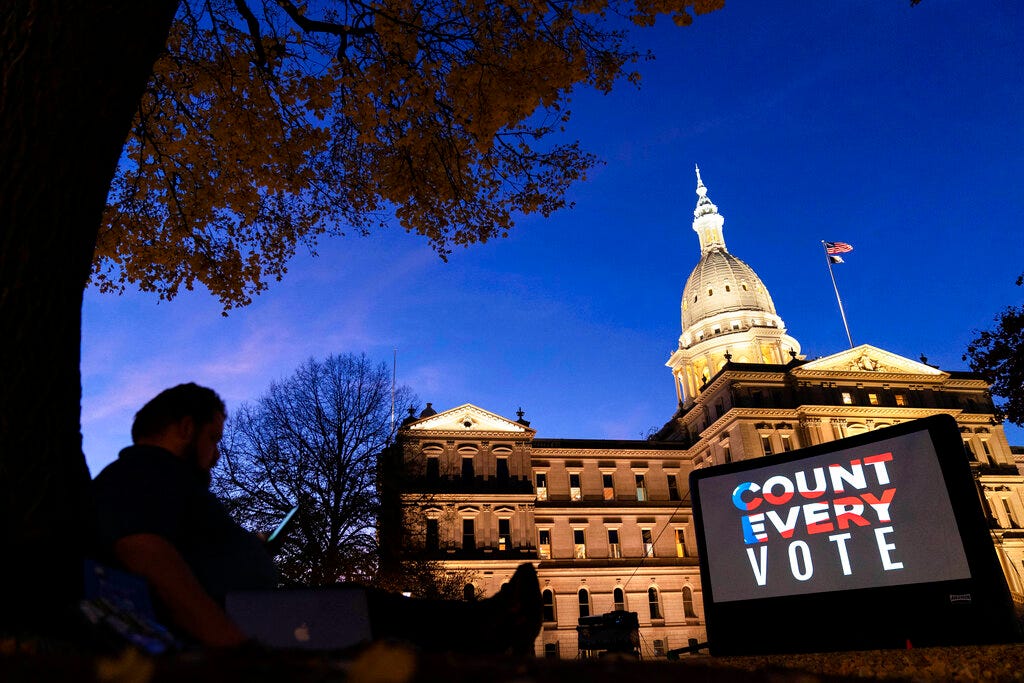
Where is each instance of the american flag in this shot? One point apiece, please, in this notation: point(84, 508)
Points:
point(833, 248)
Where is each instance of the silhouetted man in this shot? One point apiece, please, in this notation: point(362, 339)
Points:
point(157, 518)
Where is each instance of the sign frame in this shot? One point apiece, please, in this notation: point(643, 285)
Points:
point(974, 609)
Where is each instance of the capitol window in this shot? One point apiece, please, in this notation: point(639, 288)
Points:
point(654, 602)
point(614, 549)
point(847, 398)
point(584, 597)
point(548, 602)
point(579, 544)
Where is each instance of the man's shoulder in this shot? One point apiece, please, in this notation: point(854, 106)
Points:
point(140, 463)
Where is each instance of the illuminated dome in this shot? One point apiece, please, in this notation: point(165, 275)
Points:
point(727, 314)
point(722, 283)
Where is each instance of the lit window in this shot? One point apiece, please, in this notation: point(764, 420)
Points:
point(584, 597)
point(544, 544)
point(548, 601)
point(673, 487)
point(873, 399)
point(969, 451)
point(504, 534)
point(579, 544)
point(648, 541)
point(688, 610)
point(766, 445)
point(787, 445)
point(468, 535)
point(901, 399)
point(847, 398)
point(575, 492)
point(618, 600)
point(680, 543)
point(542, 486)
point(654, 602)
point(1009, 513)
point(641, 487)
point(608, 486)
point(614, 549)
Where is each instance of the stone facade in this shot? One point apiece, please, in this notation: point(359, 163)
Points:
point(608, 523)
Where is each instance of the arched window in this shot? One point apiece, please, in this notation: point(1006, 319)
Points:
point(618, 600)
point(469, 592)
point(548, 603)
point(688, 611)
point(655, 603)
point(584, 596)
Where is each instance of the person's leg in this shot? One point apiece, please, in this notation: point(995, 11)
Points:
point(508, 622)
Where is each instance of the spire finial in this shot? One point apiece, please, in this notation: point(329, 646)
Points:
point(707, 222)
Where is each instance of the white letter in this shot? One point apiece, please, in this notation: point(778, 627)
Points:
point(819, 483)
point(854, 477)
point(805, 551)
point(784, 528)
point(840, 541)
point(774, 482)
point(884, 548)
point(760, 569)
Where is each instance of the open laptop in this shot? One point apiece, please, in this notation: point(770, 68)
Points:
point(303, 618)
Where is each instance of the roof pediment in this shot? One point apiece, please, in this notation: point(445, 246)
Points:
point(867, 359)
point(468, 419)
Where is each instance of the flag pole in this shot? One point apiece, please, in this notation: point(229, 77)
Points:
point(828, 260)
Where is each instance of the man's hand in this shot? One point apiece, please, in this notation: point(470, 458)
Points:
point(192, 609)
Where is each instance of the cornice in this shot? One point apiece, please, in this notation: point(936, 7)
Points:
point(604, 453)
point(903, 414)
point(853, 375)
point(466, 435)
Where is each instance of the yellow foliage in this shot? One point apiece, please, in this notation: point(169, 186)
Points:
point(333, 119)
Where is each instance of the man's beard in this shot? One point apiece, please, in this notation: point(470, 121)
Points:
point(191, 456)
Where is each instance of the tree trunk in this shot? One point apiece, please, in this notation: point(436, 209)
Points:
point(71, 76)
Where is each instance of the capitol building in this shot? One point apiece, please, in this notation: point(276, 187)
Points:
point(608, 523)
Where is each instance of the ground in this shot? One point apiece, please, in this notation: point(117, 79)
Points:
point(397, 664)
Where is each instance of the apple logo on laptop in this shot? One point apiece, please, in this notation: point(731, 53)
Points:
point(302, 633)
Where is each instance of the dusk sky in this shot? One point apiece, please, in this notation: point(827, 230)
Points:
point(897, 129)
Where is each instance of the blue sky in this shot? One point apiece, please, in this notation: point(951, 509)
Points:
point(898, 129)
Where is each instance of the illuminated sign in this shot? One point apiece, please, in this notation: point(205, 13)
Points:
point(878, 531)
